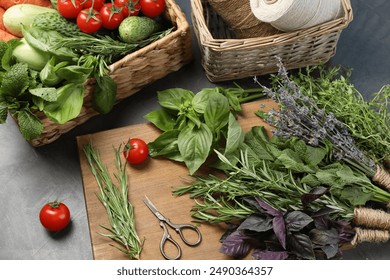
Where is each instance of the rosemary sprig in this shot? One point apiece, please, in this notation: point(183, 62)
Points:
point(119, 209)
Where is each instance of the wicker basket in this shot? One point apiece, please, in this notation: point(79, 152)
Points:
point(133, 72)
point(224, 57)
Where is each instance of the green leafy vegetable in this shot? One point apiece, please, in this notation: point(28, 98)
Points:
point(194, 125)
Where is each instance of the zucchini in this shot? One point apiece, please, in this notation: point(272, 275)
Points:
point(22, 15)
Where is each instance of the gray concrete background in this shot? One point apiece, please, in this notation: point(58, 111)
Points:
point(29, 177)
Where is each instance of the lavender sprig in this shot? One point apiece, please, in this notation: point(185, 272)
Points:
point(300, 116)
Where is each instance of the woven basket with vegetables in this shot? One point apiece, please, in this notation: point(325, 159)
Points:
point(228, 56)
point(59, 69)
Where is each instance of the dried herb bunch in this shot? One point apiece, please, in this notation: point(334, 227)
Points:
point(300, 116)
point(332, 90)
point(115, 199)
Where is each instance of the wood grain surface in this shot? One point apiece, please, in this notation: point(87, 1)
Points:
point(155, 178)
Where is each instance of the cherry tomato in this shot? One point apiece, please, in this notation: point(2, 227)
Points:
point(152, 8)
point(54, 216)
point(129, 7)
point(136, 151)
point(97, 4)
point(89, 20)
point(69, 8)
point(111, 16)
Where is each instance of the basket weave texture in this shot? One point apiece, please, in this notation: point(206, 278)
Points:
point(133, 72)
point(226, 57)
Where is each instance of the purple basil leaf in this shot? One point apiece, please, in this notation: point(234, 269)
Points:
point(322, 222)
point(324, 237)
point(314, 194)
point(330, 250)
point(323, 212)
point(280, 229)
point(236, 245)
point(230, 229)
point(268, 208)
point(269, 255)
point(301, 245)
point(256, 223)
point(297, 220)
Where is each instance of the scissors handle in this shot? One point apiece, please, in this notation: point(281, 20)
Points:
point(179, 229)
point(167, 238)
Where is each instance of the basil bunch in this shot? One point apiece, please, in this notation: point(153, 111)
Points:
point(194, 125)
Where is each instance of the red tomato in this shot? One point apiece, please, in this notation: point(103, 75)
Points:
point(54, 216)
point(152, 8)
point(133, 6)
point(136, 151)
point(69, 8)
point(111, 16)
point(89, 20)
point(97, 4)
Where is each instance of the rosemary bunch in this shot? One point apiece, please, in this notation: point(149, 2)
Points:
point(115, 199)
point(223, 199)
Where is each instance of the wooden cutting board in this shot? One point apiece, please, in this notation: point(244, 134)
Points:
point(155, 179)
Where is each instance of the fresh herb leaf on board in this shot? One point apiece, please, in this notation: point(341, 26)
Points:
point(194, 125)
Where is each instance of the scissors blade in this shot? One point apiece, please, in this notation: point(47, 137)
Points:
point(153, 209)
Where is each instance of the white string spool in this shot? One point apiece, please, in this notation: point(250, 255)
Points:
point(290, 15)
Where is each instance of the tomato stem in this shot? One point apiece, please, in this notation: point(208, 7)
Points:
point(55, 204)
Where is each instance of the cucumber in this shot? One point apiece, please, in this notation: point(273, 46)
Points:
point(56, 22)
point(22, 15)
point(136, 28)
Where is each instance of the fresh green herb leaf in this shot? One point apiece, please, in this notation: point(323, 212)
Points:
point(16, 80)
point(173, 99)
point(235, 136)
point(104, 95)
point(68, 104)
point(166, 145)
point(30, 126)
point(161, 119)
point(217, 111)
point(49, 94)
point(194, 145)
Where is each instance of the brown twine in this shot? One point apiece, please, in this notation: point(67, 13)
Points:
point(239, 17)
point(382, 177)
point(372, 218)
point(369, 235)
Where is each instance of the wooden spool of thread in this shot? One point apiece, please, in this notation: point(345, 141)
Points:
point(238, 15)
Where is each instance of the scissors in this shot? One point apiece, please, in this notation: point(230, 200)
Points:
point(177, 227)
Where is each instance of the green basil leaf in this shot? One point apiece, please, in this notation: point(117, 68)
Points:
point(174, 98)
point(201, 99)
point(166, 145)
point(104, 95)
point(161, 119)
point(194, 145)
point(68, 104)
point(235, 135)
point(217, 111)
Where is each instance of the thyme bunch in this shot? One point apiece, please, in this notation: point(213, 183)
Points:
point(300, 116)
point(119, 209)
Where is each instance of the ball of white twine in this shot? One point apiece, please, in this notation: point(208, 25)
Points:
point(290, 15)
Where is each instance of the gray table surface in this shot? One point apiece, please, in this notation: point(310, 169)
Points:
point(29, 177)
